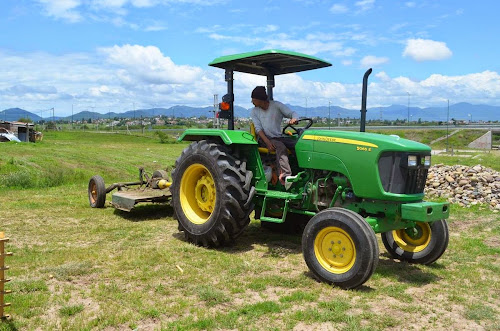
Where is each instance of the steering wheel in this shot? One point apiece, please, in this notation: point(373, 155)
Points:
point(298, 131)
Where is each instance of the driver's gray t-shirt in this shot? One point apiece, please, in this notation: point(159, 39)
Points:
point(270, 120)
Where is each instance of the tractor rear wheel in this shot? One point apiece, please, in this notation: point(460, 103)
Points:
point(422, 244)
point(211, 194)
point(340, 248)
point(97, 192)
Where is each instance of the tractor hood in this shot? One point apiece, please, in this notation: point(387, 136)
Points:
point(364, 158)
point(372, 140)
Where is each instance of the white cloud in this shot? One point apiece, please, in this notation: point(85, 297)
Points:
point(62, 9)
point(347, 62)
point(265, 29)
point(365, 5)
point(426, 50)
point(155, 27)
point(74, 11)
point(382, 76)
point(373, 61)
point(410, 4)
point(118, 76)
point(339, 9)
point(149, 65)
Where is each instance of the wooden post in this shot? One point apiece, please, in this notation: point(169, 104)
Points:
point(3, 240)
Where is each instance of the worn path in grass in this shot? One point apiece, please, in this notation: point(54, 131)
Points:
point(80, 268)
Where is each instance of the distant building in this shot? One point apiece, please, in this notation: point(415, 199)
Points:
point(23, 131)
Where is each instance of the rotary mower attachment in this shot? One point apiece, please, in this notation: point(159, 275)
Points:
point(149, 188)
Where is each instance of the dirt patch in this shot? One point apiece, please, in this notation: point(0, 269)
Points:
point(317, 327)
point(492, 241)
point(269, 294)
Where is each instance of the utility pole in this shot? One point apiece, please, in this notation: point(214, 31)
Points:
point(306, 106)
point(408, 108)
point(329, 120)
point(216, 107)
point(71, 116)
point(447, 123)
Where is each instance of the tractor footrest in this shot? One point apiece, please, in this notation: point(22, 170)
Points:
point(425, 211)
point(283, 195)
point(271, 219)
point(127, 199)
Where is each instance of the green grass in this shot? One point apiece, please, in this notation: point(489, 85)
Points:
point(79, 268)
point(71, 310)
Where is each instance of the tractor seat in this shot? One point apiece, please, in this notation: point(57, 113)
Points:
point(263, 150)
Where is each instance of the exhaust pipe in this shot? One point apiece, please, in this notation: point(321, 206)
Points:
point(363, 100)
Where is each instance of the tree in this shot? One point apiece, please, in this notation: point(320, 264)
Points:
point(25, 120)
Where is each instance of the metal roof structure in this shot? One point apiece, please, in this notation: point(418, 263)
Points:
point(269, 62)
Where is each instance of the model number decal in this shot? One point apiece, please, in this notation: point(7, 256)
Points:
point(364, 149)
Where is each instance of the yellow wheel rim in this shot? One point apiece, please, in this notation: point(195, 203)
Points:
point(197, 193)
point(416, 242)
point(335, 250)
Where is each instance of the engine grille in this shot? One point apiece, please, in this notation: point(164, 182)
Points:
point(397, 177)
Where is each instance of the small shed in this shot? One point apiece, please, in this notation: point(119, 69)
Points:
point(23, 131)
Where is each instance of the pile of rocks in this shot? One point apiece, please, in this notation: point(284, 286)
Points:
point(465, 186)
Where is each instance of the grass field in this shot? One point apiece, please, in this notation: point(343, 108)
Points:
point(80, 268)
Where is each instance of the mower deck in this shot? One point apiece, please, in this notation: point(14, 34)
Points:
point(127, 199)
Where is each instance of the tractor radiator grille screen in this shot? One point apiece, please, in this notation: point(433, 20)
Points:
point(397, 176)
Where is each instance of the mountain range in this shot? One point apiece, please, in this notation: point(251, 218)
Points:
point(459, 111)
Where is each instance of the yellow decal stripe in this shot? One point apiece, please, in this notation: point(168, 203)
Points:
point(338, 140)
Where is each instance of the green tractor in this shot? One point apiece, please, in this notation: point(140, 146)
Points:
point(349, 185)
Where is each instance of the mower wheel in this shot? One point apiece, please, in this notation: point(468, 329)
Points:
point(340, 248)
point(210, 193)
point(97, 192)
point(423, 245)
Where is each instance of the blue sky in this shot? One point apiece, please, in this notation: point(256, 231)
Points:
point(113, 55)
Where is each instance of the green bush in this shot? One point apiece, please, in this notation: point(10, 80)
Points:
point(165, 138)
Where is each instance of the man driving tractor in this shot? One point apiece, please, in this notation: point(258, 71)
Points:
point(267, 116)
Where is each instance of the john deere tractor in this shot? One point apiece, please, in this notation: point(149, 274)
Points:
point(348, 185)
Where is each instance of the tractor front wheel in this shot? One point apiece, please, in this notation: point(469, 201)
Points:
point(211, 194)
point(423, 244)
point(340, 248)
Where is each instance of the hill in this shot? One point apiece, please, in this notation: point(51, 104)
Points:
point(459, 111)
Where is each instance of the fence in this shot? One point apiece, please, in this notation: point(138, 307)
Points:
point(3, 268)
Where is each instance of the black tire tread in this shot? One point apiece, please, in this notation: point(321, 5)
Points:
point(364, 235)
point(235, 182)
point(438, 245)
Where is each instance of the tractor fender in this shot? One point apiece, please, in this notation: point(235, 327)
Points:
point(227, 137)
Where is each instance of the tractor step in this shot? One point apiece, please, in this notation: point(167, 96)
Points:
point(282, 195)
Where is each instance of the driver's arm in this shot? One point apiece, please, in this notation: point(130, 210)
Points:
point(288, 113)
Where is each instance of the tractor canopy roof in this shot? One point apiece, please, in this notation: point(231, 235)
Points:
point(269, 62)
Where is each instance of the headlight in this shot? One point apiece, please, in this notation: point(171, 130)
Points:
point(412, 160)
point(427, 161)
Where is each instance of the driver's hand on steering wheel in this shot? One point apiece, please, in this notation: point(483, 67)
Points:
point(293, 121)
